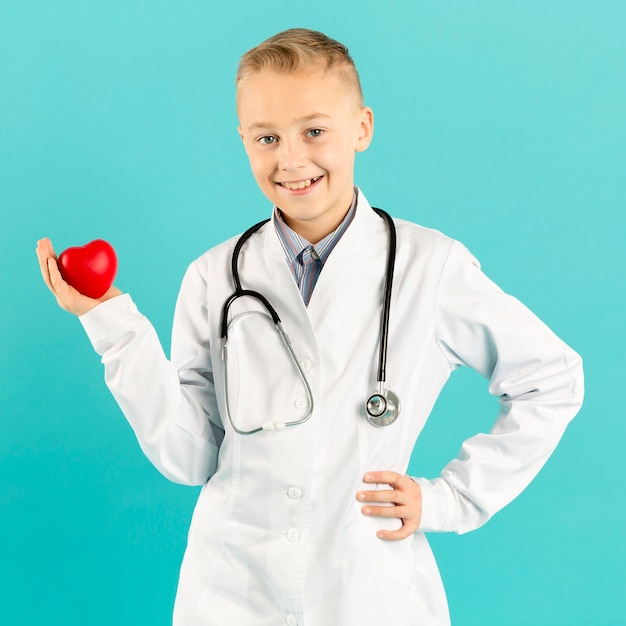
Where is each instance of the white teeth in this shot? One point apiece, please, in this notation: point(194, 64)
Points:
point(301, 184)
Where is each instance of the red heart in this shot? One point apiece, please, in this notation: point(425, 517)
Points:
point(91, 268)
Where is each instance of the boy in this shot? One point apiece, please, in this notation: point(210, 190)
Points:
point(306, 515)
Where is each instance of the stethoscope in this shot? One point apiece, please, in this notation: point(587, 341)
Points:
point(381, 408)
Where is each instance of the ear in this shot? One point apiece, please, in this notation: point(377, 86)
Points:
point(243, 139)
point(366, 129)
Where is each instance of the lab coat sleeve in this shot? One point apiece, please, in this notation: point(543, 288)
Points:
point(535, 376)
point(169, 404)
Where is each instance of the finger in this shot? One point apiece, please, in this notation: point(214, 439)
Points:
point(44, 252)
point(56, 280)
point(45, 249)
point(399, 511)
point(406, 530)
point(67, 296)
point(395, 496)
point(384, 477)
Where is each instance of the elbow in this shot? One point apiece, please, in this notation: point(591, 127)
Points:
point(191, 467)
point(563, 390)
point(186, 479)
point(577, 378)
point(182, 457)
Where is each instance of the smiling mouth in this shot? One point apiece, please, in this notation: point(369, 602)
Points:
point(300, 184)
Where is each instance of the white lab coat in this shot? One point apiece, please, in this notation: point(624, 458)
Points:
point(277, 536)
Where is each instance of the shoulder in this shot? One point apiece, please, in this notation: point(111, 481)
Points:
point(223, 249)
point(213, 267)
point(421, 241)
point(411, 231)
point(222, 252)
point(427, 255)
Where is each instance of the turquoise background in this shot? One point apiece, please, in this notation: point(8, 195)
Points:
point(501, 123)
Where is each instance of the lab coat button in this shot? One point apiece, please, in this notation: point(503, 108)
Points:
point(301, 403)
point(293, 534)
point(306, 364)
point(291, 620)
point(294, 493)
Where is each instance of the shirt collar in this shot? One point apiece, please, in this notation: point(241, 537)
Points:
point(293, 244)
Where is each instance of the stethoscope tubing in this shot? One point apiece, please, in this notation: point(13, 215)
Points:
point(384, 325)
point(388, 398)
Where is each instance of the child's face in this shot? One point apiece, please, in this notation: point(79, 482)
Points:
point(301, 132)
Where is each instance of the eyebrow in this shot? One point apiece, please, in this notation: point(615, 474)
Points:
point(306, 118)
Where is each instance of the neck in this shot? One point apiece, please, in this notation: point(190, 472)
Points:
point(315, 230)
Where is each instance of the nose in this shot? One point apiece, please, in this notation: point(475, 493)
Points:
point(291, 154)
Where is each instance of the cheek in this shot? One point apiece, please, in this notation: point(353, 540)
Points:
point(332, 157)
point(262, 175)
point(337, 160)
point(258, 166)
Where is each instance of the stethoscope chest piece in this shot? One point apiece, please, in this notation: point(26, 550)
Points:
point(382, 408)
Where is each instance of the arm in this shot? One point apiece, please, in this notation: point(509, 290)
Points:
point(537, 379)
point(169, 404)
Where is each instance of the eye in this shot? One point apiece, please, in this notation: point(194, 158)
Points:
point(314, 132)
point(267, 140)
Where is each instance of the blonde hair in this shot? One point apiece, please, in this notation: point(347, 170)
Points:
point(296, 50)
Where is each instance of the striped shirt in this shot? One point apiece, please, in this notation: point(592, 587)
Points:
point(306, 260)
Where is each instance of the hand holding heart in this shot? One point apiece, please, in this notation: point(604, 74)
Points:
point(68, 297)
